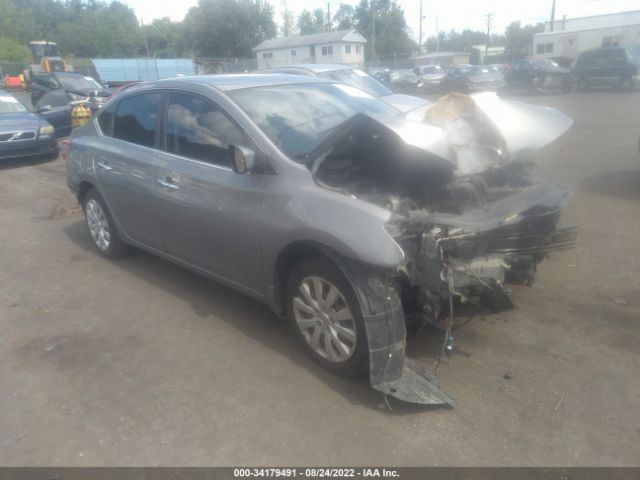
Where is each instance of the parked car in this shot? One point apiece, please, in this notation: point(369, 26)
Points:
point(615, 67)
point(405, 81)
point(323, 202)
point(352, 76)
point(431, 76)
point(75, 85)
point(23, 133)
point(471, 78)
point(536, 76)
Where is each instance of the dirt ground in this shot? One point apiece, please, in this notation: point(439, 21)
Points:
point(140, 362)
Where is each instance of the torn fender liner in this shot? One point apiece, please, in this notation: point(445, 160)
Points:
point(389, 371)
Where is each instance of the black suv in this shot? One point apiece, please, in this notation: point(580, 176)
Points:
point(608, 66)
point(75, 85)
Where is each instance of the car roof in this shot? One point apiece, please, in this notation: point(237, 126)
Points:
point(229, 82)
point(315, 67)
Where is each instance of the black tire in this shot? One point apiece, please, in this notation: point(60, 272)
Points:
point(116, 248)
point(318, 266)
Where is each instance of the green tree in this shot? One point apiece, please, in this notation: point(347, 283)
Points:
point(392, 34)
point(12, 51)
point(344, 19)
point(287, 20)
point(311, 22)
point(229, 28)
point(518, 39)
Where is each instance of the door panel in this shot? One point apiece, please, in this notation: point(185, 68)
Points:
point(209, 215)
point(125, 167)
point(126, 176)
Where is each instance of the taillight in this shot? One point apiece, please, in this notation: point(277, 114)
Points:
point(65, 147)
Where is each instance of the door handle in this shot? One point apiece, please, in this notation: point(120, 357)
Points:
point(168, 182)
point(104, 166)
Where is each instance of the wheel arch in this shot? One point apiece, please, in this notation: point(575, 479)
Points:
point(291, 254)
point(83, 187)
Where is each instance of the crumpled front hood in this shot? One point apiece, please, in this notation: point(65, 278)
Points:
point(413, 143)
point(459, 134)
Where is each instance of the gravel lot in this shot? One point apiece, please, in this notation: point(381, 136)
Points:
point(140, 362)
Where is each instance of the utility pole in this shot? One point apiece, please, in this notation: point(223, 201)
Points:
point(144, 36)
point(420, 37)
point(373, 31)
point(486, 47)
point(328, 17)
point(553, 15)
point(437, 36)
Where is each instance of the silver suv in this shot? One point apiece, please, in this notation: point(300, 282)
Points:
point(323, 202)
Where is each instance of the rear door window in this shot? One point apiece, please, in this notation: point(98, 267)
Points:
point(199, 129)
point(136, 119)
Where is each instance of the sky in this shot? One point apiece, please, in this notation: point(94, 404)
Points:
point(450, 14)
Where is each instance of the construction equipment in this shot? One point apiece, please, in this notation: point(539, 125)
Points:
point(46, 59)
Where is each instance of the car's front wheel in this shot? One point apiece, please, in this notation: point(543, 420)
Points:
point(327, 317)
point(101, 227)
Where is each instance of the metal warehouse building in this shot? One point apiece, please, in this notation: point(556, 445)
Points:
point(568, 37)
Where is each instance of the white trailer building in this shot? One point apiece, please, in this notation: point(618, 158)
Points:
point(344, 46)
point(571, 36)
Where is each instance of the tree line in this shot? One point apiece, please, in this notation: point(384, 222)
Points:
point(216, 28)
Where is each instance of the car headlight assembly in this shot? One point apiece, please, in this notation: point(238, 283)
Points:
point(46, 130)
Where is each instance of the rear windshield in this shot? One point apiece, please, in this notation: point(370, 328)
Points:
point(359, 79)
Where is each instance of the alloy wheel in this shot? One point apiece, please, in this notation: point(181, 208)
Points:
point(98, 224)
point(325, 320)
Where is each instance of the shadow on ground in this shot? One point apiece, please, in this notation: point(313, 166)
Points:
point(25, 162)
point(207, 297)
point(623, 184)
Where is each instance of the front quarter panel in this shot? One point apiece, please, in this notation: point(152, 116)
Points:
point(295, 209)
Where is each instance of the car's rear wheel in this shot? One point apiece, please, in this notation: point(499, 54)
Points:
point(101, 226)
point(327, 317)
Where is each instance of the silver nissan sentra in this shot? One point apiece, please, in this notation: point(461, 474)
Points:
point(327, 204)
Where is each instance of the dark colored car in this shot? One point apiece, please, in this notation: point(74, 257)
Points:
point(615, 67)
point(56, 107)
point(23, 133)
point(325, 203)
point(538, 75)
point(355, 77)
point(405, 81)
point(471, 78)
point(76, 86)
point(431, 76)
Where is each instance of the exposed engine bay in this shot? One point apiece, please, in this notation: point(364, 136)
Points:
point(466, 208)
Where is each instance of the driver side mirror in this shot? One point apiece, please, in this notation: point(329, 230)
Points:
point(242, 158)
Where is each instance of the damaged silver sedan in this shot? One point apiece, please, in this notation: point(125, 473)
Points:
point(327, 204)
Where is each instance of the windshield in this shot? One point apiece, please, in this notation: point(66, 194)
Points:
point(79, 84)
point(546, 63)
point(403, 75)
point(359, 79)
point(430, 69)
point(297, 117)
point(9, 104)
